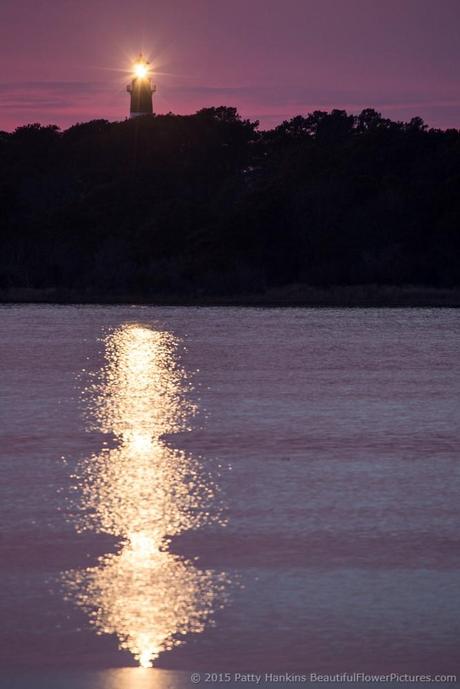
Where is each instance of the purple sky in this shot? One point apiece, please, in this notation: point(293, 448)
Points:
point(64, 61)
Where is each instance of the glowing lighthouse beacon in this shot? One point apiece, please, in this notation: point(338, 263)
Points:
point(141, 88)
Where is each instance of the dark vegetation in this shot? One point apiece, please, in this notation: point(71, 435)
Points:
point(208, 205)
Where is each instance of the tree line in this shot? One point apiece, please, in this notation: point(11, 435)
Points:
point(208, 204)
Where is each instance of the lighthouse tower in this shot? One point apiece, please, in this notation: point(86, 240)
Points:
point(141, 88)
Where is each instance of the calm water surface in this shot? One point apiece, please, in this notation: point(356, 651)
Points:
point(235, 490)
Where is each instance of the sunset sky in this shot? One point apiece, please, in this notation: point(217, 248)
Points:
point(64, 61)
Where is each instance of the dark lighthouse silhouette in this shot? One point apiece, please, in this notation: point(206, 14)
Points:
point(141, 88)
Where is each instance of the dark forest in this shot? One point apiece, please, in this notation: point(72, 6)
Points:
point(207, 205)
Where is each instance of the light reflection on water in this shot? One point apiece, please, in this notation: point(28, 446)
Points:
point(144, 492)
point(138, 678)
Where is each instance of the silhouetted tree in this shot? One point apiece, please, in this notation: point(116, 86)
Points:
point(207, 203)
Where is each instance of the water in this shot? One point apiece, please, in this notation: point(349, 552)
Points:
point(228, 490)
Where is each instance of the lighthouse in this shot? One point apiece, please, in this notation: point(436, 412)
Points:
point(141, 88)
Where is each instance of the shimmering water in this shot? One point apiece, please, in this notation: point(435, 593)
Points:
point(234, 490)
point(143, 492)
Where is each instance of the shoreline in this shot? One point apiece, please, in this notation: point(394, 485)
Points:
point(353, 296)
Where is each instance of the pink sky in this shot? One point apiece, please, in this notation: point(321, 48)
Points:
point(64, 61)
